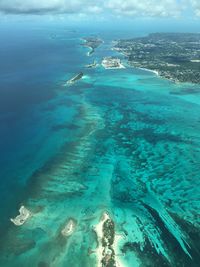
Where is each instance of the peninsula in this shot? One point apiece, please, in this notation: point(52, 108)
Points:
point(92, 43)
point(175, 56)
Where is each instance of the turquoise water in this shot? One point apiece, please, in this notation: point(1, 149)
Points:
point(123, 141)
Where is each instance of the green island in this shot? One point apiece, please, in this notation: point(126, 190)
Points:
point(175, 56)
point(108, 259)
point(107, 251)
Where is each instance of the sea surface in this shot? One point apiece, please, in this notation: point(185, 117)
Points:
point(123, 141)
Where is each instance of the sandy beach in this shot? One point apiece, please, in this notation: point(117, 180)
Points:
point(118, 253)
point(101, 249)
point(24, 215)
point(69, 228)
point(121, 66)
point(99, 231)
point(90, 52)
point(153, 71)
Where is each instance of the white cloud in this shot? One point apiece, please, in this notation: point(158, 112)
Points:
point(132, 8)
point(26, 6)
point(196, 7)
point(161, 8)
point(47, 6)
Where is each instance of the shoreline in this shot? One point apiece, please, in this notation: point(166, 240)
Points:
point(156, 72)
point(160, 76)
point(107, 251)
point(149, 70)
point(89, 53)
point(24, 215)
point(91, 49)
point(74, 79)
point(112, 63)
point(141, 68)
point(69, 228)
point(118, 238)
point(99, 232)
point(121, 66)
point(92, 44)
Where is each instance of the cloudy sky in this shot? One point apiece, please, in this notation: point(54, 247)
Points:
point(128, 8)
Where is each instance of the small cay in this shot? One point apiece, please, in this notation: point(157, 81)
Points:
point(24, 215)
point(69, 228)
point(75, 78)
point(92, 65)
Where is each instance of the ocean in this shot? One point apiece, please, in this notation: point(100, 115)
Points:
point(122, 141)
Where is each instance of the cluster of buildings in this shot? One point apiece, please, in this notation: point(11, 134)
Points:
point(173, 56)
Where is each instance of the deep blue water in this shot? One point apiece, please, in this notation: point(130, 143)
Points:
point(33, 67)
point(35, 62)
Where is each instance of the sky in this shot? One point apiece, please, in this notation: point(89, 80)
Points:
point(102, 8)
point(126, 15)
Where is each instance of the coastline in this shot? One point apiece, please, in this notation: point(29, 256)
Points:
point(149, 70)
point(92, 44)
point(99, 232)
point(161, 73)
point(69, 228)
point(118, 238)
point(74, 79)
point(24, 215)
point(106, 251)
point(112, 63)
point(121, 66)
point(91, 50)
point(160, 76)
point(141, 68)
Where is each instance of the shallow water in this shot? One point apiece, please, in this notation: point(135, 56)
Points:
point(122, 141)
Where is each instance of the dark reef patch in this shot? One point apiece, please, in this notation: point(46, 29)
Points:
point(186, 91)
point(194, 236)
point(59, 127)
point(149, 256)
point(43, 264)
point(152, 137)
point(178, 256)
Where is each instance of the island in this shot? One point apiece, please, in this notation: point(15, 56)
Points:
point(107, 242)
point(92, 65)
point(112, 63)
point(75, 78)
point(24, 215)
point(69, 228)
point(92, 43)
point(175, 56)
